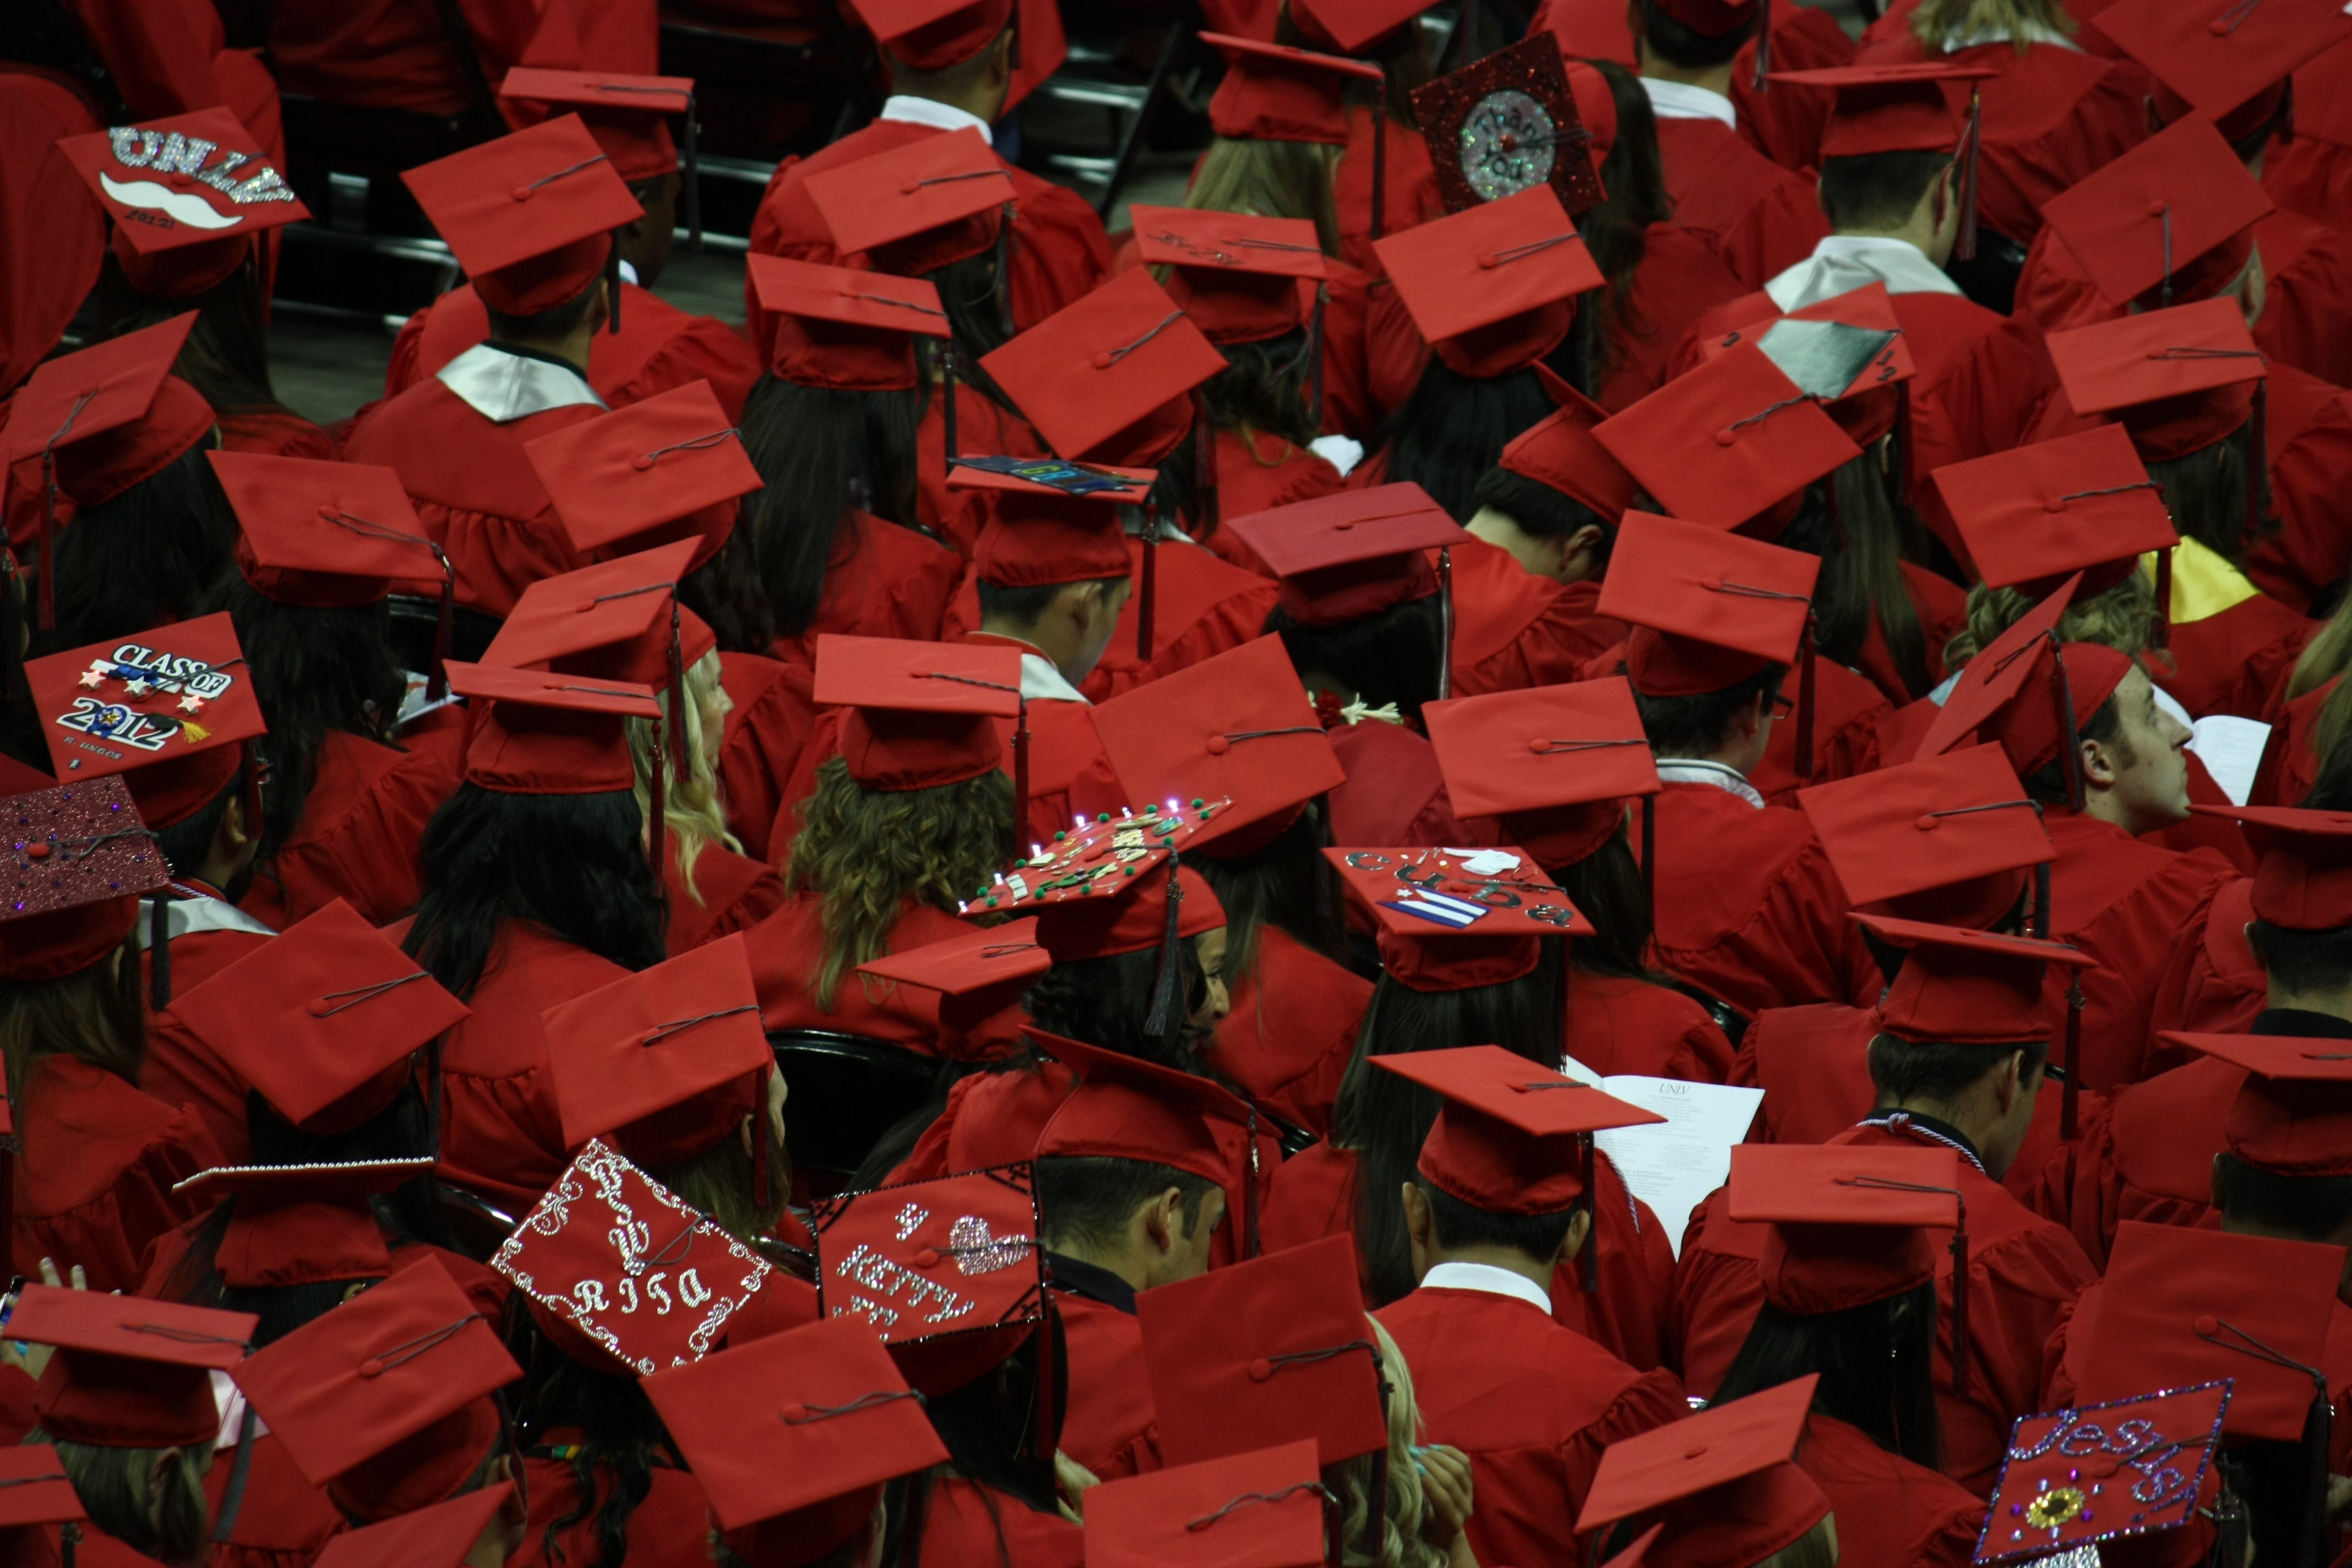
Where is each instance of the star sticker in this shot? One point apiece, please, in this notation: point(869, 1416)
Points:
point(91, 678)
point(137, 688)
point(192, 703)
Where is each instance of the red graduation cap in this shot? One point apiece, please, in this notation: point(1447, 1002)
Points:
point(544, 733)
point(323, 534)
point(186, 194)
point(979, 977)
point(1904, 108)
point(130, 1372)
point(1240, 278)
point(1259, 1509)
point(1449, 920)
point(2035, 514)
point(1096, 377)
point(440, 1536)
point(2172, 220)
point(1511, 1137)
point(1273, 92)
point(923, 714)
point(1273, 1350)
point(2177, 380)
point(1724, 1481)
point(626, 473)
point(1555, 765)
point(2223, 56)
point(1127, 1108)
point(305, 1224)
point(628, 113)
point(2293, 1116)
point(917, 209)
point(1502, 124)
point(932, 35)
point(529, 216)
point(842, 328)
point(1351, 27)
point(1060, 526)
point(1492, 288)
point(1239, 726)
point(2066, 1486)
point(1946, 838)
point(78, 856)
point(1849, 1225)
point(2304, 877)
point(2181, 1306)
point(323, 1019)
point(618, 619)
point(615, 1265)
point(2033, 692)
point(1558, 452)
point(1852, 352)
point(1348, 557)
point(35, 1489)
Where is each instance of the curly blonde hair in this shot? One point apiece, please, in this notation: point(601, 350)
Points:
point(1407, 1509)
point(1936, 20)
point(693, 813)
point(2122, 617)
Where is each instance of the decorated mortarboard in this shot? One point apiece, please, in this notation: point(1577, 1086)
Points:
point(916, 208)
point(441, 1536)
point(304, 1223)
point(1723, 1480)
point(2303, 875)
point(35, 1489)
point(627, 472)
point(620, 1267)
point(1492, 892)
point(546, 733)
point(1241, 279)
point(842, 328)
point(2073, 1478)
point(1273, 92)
point(1273, 1350)
point(2177, 380)
point(932, 35)
point(2293, 1116)
point(1849, 1225)
point(77, 858)
point(130, 1372)
point(186, 194)
point(1097, 859)
point(1348, 556)
point(1511, 1137)
point(2034, 514)
point(1560, 453)
point(792, 1435)
point(1093, 375)
point(529, 216)
point(1850, 350)
point(1946, 838)
point(1258, 1510)
point(1239, 726)
point(2163, 220)
point(321, 1020)
point(1507, 122)
point(1492, 288)
point(2222, 54)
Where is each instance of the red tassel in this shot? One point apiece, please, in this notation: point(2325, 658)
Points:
point(252, 765)
point(1650, 852)
point(677, 742)
point(1805, 706)
point(1315, 351)
point(2040, 929)
point(2063, 689)
point(948, 409)
point(2258, 461)
point(1588, 1259)
point(437, 684)
point(1964, 247)
point(612, 288)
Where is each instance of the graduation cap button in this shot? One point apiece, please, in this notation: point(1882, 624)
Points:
point(1216, 745)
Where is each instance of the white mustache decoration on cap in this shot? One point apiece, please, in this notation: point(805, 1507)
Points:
point(181, 205)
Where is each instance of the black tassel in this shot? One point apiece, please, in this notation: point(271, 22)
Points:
point(159, 950)
point(693, 183)
point(233, 1496)
point(1167, 1015)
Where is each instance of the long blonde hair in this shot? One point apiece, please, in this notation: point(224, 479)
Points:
point(2323, 658)
point(1407, 1509)
point(1270, 179)
point(1936, 20)
point(694, 813)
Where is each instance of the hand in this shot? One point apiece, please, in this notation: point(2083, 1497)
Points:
point(34, 1360)
point(2339, 1494)
point(1446, 1482)
point(1071, 1479)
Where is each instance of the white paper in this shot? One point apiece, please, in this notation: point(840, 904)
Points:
point(1673, 1165)
point(2232, 750)
point(1342, 452)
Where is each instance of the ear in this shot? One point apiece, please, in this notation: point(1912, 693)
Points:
point(1161, 1220)
point(235, 831)
point(1580, 1231)
point(2098, 767)
point(2013, 1082)
point(1419, 1225)
point(166, 1461)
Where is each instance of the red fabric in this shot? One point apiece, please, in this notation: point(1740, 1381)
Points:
point(474, 492)
point(1682, 274)
point(1513, 629)
point(391, 54)
point(1848, 710)
point(1410, 199)
point(274, 432)
point(2313, 173)
point(658, 349)
point(2307, 307)
point(1748, 907)
point(1059, 251)
point(970, 1526)
point(2309, 429)
point(160, 54)
point(1203, 608)
point(983, 427)
point(1258, 473)
point(183, 1070)
point(2214, 985)
point(670, 1528)
point(1393, 793)
point(1291, 1030)
point(1759, 217)
point(2228, 663)
point(364, 824)
point(1531, 1403)
point(2022, 1269)
point(2145, 1154)
point(760, 745)
point(893, 582)
point(1623, 1024)
point(1891, 1513)
point(1349, 406)
point(1942, 606)
point(786, 947)
point(45, 283)
point(96, 1161)
point(1109, 1423)
point(285, 1521)
point(2290, 759)
point(1785, 123)
point(736, 893)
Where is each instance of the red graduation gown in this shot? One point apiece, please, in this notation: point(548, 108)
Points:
point(1257, 472)
point(391, 54)
point(2312, 175)
point(1681, 276)
point(787, 946)
point(658, 349)
point(2215, 984)
point(276, 433)
point(884, 580)
point(1410, 198)
point(96, 1161)
point(1891, 1513)
point(364, 824)
point(2309, 434)
point(2148, 1154)
point(985, 427)
point(1291, 1030)
point(1849, 707)
point(670, 1529)
point(208, 934)
point(2022, 1269)
point(284, 1523)
point(2290, 763)
point(1785, 123)
point(731, 893)
point(1761, 218)
point(971, 1526)
point(1201, 606)
point(1531, 1403)
point(1513, 629)
point(991, 1119)
point(1394, 792)
point(1748, 907)
point(1109, 1425)
point(1626, 1023)
point(760, 745)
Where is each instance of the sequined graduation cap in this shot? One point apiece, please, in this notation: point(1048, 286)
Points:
point(188, 193)
point(2102, 1472)
point(1505, 123)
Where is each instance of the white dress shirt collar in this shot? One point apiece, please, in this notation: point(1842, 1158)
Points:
point(502, 386)
point(930, 112)
point(1842, 263)
point(1487, 1277)
point(1695, 770)
point(1680, 101)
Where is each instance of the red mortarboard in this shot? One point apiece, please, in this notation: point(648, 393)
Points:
point(1060, 527)
point(1276, 93)
point(627, 472)
point(932, 35)
point(1238, 726)
point(1560, 452)
point(186, 194)
point(625, 113)
point(1890, 108)
point(2180, 1306)
point(1723, 1480)
point(544, 733)
point(1509, 1137)
point(916, 208)
point(77, 860)
point(2304, 880)
point(1274, 1351)
point(979, 976)
point(1711, 18)
point(302, 1225)
point(128, 1373)
point(169, 708)
point(2032, 693)
point(612, 619)
point(1849, 1225)
point(922, 714)
point(2050, 1499)
point(2178, 380)
point(2139, 223)
point(1849, 351)
point(2293, 1116)
point(795, 1434)
point(530, 216)
point(837, 327)
point(324, 534)
point(948, 1272)
point(1348, 557)
point(1493, 288)
point(1710, 608)
point(2034, 514)
point(1511, 120)
point(1555, 764)
point(2222, 54)
point(1968, 987)
point(1946, 838)
point(1127, 1108)
point(614, 1260)
point(1727, 442)
point(1241, 279)
point(1093, 375)
point(35, 1489)
point(664, 1062)
point(1449, 920)
point(323, 1020)
point(1350, 26)
point(440, 1536)
point(387, 1392)
point(1260, 1509)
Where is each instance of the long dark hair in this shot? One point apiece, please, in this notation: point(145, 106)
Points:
point(1607, 887)
point(1877, 1365)
point(1385, 1118)
point(144, 559)
point(1452, 427)
point(620, 1437)
point(1106, 1001)
point(727, 592)
point(20, 724)
point(824, 454)
point(1286, 884)
point(1634, 174)
point(1262, 391)
point(1849, 520)
point(572, 865)
point(988, 1429)
point(226, 356)
point(1392, 656)
point(97, 1015)
point(979, 320)
point(2205, 491)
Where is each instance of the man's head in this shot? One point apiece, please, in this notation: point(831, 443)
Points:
point(1548, 533)
point(1733, 726)
point(215, 844)
point(1665, 37)
point(2135, 766)
point(644, 244)
point(1148, 1224)
point(565, 332)
point(1069, 623)
point(1906, 195)
point(1443, 1228)
point(1986, 1092)
point(977, 84)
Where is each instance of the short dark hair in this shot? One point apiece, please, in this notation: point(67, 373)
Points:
point(558, 323)
point(2301, 960)
point(2048, 784)
point(2316, 1208)
point(1912, 1069)
point(1456, 1224)
point(1089, 1199)
point(1695, 726)
point(1878, 190)
point(1684, 46)
point(1540, 509)
point(1023, 607)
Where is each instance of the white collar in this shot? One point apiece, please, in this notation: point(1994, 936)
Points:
point(502, 386)
point(930, 112)
point(1487, 1277)
point(1680, 101)
point(2035, 32)
point(1694, 770)
point(1041, 680)
point(1842, 263)
point(183, 916)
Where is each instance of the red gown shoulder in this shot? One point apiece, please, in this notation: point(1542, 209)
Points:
point(1761, 218)
point(1626, 1024)
point(1257, 472)
point(670, 1527)
point(1394, 792)
point(1682, 274)
point(1201, 606)
point(180, 1069)
point(364, 824)
point(731, 893)
point(1891, 1513)
point(1291, 1030)
point(885, 581)
point(786, 947)
point(96, 1163)
point(274, 432)
point(760, 745)
point(971, 1526)
point(1109, 1427)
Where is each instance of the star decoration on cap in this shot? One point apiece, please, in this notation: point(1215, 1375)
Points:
point(192, 703)
point(92, 676)
point(138, 688)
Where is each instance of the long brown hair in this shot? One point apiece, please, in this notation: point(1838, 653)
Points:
point(1936, 20)
point(1270, 179)
point(96, 1014)
point(2325, 658)
point(1634, 174)
point(2122, 617)
point(867, 852)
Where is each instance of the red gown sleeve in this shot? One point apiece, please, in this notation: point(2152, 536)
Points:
point(96, 1163)
point(1291, 1030)
point(731, 893)
point(764, 738)
point(702, 349)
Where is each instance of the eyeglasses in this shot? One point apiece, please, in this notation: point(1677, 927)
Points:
point(1784, 706)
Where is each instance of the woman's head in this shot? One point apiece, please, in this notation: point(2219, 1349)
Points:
point(2205, 491)
point(227, 355)
point(144, 557)
point(1388, 657)
point(1270, 179)
point(723, 1180)
point(1952, 25)
point(1876, 1363)
point(1849, 520)
point(1405, 1507)
point(692, 813)
point(149, 1499)
point(96, 1014)
point(1285, 884)
point(1452, 428)
point(822, 453)
point(2122, 617)
point(1107, 1001)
